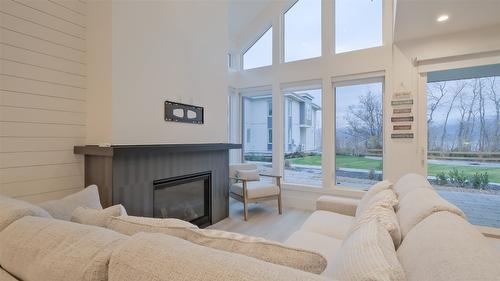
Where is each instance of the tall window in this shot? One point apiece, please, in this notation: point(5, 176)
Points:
point(358, 134)
point(302, 27)
point(257, 130)
point(463, 123)
point(303, 135)
point(261, 52)
point(358, 24)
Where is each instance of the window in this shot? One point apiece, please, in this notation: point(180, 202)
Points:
point(261, 52)
point(258, 148)
point(302, 30)
point(303, 148)
point(358, 134)
point(358, 24)
point(463, 128)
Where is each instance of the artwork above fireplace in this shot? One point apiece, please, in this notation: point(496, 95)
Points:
point(186, 197)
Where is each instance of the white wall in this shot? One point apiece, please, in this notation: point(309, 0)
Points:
point(168, 50)
point(42, 97)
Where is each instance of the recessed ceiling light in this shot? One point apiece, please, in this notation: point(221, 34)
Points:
point(443, 18)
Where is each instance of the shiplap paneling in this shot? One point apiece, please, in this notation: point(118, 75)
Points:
point(42, 97)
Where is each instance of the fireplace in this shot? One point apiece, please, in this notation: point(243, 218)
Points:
point(186, 197)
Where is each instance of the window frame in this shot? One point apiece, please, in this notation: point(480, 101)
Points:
point(353, 80)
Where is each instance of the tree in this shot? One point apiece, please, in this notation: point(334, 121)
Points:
point(494, 96)
point(460, 85)
point(365, 120)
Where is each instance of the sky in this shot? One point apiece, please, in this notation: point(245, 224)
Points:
point(349, 95)
point(358, 25)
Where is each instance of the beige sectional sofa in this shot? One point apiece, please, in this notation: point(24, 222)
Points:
point(437, 242)
point(403, 231)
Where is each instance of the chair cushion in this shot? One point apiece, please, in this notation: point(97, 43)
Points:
point(408, 183)
point(419, 204)
point(325, 245)
point(12, 209)
point(328, 223)
point(375, 189)
point(251, 175)
point(368, 254)
point(35, 248)
point(64, 207)
point(258, 248)
point(154, 257)
point(256, 189)
point(444, 247)
point(97, 217)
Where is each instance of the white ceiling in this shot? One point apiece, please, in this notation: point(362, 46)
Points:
point(417, 18)
point(242, 13)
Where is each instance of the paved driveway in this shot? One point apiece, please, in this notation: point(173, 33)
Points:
point(480, 209)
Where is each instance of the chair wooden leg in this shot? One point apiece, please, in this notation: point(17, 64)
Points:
point(280, 207)
point(245, 210)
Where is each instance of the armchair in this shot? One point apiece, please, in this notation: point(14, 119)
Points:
point(252, 191)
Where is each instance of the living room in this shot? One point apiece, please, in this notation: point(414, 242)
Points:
point(249, 140)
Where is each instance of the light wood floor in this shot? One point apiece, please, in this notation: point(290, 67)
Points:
point(263, 220)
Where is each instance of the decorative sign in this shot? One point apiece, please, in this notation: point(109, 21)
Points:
point(185, 113)
point(402, 103)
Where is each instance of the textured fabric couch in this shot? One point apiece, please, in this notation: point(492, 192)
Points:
point(410, 234)
point(437, 243)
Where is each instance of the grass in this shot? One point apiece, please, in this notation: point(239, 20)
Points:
point(355, 162)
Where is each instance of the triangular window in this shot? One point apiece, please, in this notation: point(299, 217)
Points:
point(261, 52)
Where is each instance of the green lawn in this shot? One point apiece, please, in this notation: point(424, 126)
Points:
point(355, 162)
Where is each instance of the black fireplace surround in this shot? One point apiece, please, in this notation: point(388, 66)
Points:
point(142, 177)
point(186, 197)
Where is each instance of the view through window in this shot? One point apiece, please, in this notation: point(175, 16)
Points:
point(257, 131)
point(358, 134)
point(261, 52)
point(463, 122)
point(303, 137)
point(302, 30)
point(358, 24)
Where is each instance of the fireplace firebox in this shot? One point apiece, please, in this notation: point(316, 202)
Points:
point(186, 197)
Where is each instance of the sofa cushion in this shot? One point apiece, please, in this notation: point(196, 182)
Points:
point(258, 248)
point(5, 276)
point(12, 209)
point(97, 217)
point(336, 204)
point(328, 223)
point(327, 246)
point(256, 189)
point(375, 189)
point(446, 247)
point(419, 204)
point(408, 183)
point(64, 207)
point(35, 248)
point(130, 225)
point(368, 254)
point(155, 257)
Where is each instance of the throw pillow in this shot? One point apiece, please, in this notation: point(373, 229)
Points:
point(419, 204)
point(130, 225)
point(97, 217)
point(368, 255)
point(12, 209)
point(63, 208)
point(376, 188)
point(250, 175)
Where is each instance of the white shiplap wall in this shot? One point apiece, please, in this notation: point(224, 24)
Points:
point(42, 97)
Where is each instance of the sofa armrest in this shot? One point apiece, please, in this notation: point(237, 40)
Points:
point(340, 205)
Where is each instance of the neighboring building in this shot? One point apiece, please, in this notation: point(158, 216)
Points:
point(302, 128)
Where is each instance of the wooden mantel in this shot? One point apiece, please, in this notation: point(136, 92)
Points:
point(125, 173)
